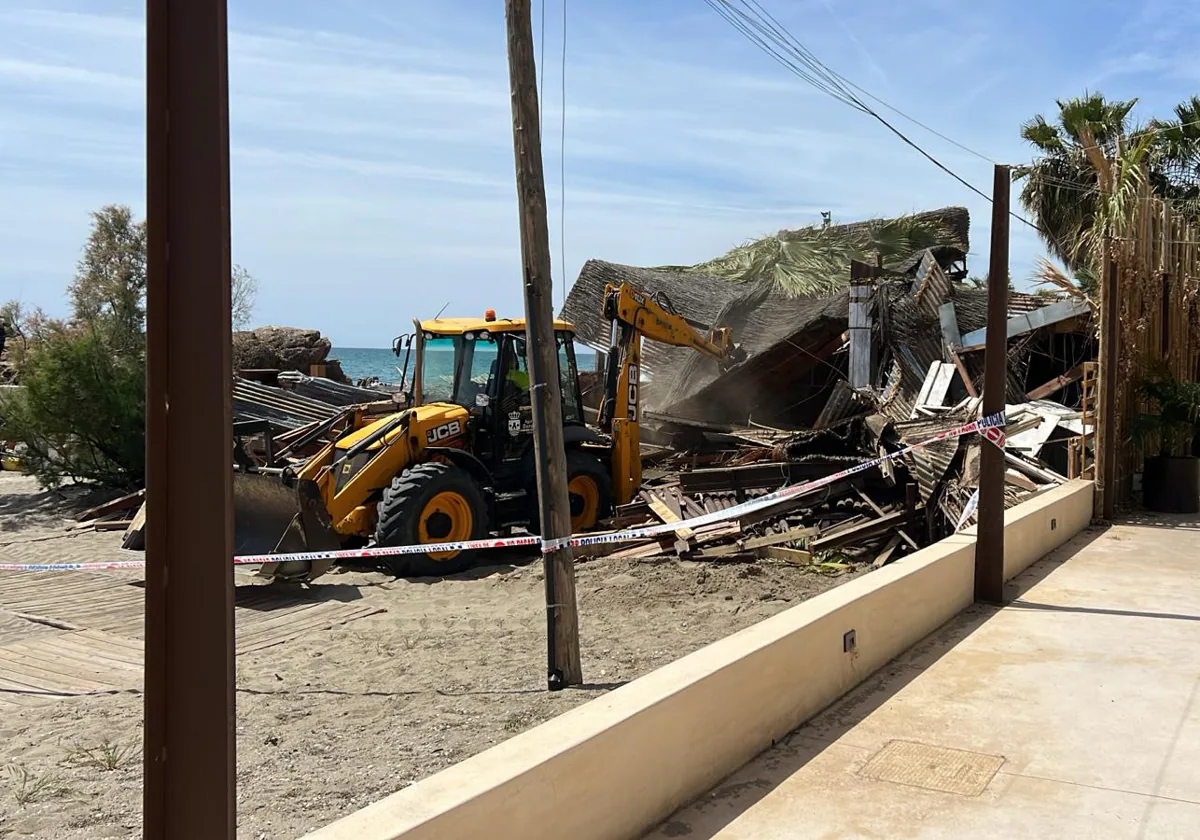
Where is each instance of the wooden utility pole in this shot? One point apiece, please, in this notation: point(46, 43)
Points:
point(562, 618)
point(1106, 438)
point(989, 543)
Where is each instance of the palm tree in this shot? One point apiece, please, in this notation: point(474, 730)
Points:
point(1176, 154)
point(815, 260)
point(1090, 163)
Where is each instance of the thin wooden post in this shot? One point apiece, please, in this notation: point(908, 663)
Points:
point(562, 619)
point(989, 546)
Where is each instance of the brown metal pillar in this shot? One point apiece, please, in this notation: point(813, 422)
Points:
point(189, 787)
point(989, 544)
point(1106, 432)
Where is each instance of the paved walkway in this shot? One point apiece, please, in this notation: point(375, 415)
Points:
point(1072, 713)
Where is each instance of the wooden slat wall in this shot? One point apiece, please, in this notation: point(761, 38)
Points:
point(1158, 282)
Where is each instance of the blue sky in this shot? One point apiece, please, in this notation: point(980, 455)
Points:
point(372, 170)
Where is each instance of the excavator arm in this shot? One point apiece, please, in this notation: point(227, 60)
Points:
point(635, 315)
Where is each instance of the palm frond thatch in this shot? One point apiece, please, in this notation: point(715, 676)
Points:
point(815, 260)
point(1047, 275)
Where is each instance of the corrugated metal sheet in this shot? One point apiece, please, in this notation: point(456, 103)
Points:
point(1024, 322)
point(843, 403)
point(930, 463)
point(252, 401)
point(931, 288)
point(329, 392)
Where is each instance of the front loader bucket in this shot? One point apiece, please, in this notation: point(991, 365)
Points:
point(272, 518)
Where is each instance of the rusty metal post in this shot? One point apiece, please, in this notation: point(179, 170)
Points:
point(189, 784)
point(989, 544)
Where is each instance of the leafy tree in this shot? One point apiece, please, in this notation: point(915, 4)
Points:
point(109, 289)
point(81, 411)
point(243, 291)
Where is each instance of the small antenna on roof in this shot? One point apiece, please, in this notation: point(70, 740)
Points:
point(440, 311)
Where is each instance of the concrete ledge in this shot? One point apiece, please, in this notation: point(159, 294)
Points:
point(615, 767)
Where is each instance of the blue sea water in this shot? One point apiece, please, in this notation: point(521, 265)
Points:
point(366, 362)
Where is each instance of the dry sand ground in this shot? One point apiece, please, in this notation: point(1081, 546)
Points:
point(334, 721)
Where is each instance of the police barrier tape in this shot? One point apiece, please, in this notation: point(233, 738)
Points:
point(989, 426)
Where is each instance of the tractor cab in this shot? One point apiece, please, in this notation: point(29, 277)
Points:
point(481, 364)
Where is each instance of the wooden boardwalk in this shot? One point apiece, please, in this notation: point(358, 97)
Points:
point(92, 626)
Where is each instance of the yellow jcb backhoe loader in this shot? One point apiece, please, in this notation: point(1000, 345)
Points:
point(457, 463)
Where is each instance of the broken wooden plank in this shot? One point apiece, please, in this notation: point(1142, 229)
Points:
point(111, 525)
point(664, 512)
point(1033, 471)
point(863, 531)
point(962, 373)
point(128, 502)
point(755, 543)
point(1055, 384)
point(1021, 480)
point(935, 388)
point(889, 551)
point(796, 556)
point(881, 512)
point(135, 533)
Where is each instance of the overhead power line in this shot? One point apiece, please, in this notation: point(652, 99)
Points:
point(760, 27)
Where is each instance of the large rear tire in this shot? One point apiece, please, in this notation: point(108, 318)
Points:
point(431, 503)
point(589, 492)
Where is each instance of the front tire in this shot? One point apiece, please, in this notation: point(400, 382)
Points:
point(431, 503)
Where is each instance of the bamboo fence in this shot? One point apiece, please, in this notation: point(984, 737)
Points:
point(1158, 286)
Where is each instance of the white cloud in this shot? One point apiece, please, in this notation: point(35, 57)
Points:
point(371, 141)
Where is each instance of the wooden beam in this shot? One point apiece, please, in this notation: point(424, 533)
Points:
point(664, 513)
point(889, 550)
point(795, 556)
point(880, 512)
point(1033, 471)
point(860, 335)
point(124, 503)
point(1056, 384)
point(863, 531)
point(1021, 480)
point(962, 372)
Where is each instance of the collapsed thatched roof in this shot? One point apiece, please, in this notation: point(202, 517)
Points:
point(698, 296)
point(955, 220)
point(763, 317)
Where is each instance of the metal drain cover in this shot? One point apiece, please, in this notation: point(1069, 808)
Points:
point(933, 768)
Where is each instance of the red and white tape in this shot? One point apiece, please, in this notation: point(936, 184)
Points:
point(989, 427)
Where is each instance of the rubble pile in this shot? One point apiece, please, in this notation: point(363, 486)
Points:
point(789, 414)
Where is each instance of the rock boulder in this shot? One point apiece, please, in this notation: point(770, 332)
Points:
point(279, 348)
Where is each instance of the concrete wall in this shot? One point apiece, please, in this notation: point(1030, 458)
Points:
point(614, 767)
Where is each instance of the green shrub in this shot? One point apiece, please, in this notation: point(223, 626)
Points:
point(81, 411)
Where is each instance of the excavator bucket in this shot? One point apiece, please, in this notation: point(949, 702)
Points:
point(272, 518)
